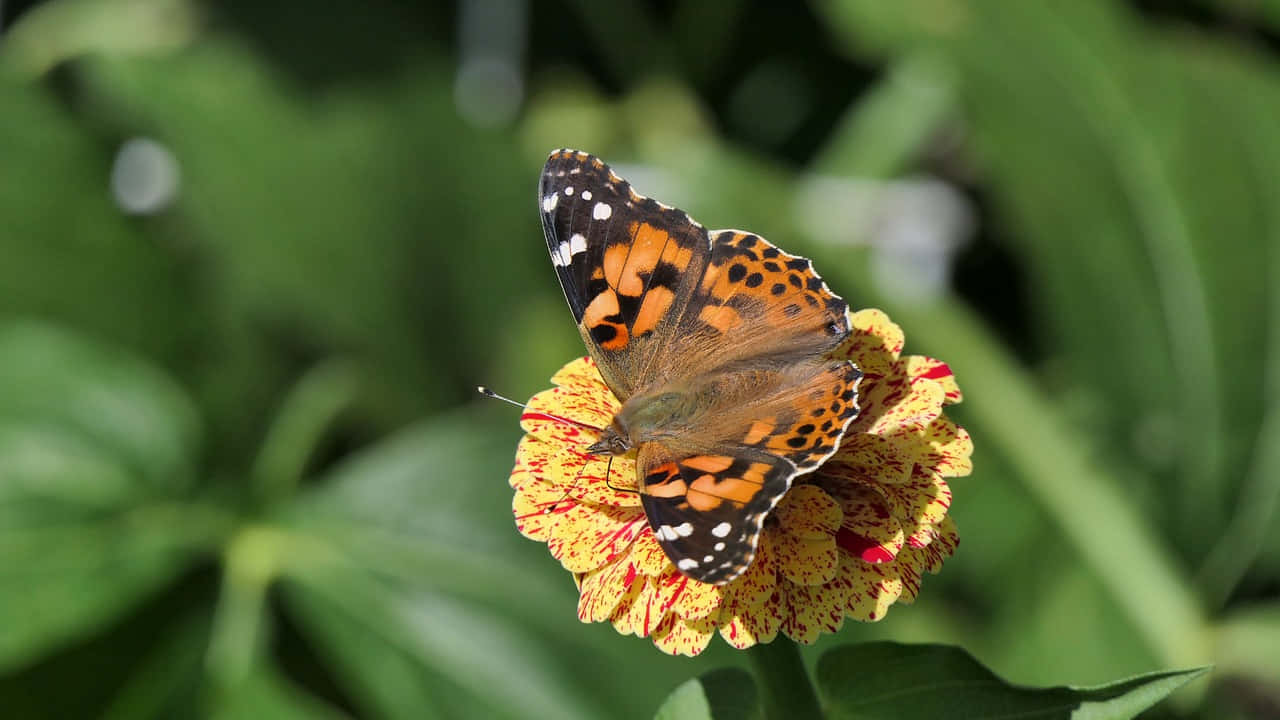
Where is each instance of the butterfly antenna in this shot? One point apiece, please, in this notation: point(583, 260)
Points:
point(607, 469)
point(531, 414)
point(538, 414)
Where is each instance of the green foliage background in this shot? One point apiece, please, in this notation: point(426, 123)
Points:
point(241, 466)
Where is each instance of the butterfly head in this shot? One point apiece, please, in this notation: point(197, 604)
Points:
point(614, 440)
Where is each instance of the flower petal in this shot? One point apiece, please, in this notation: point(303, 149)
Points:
point(870, 532)
point(814, 609)
point(924, 500)
point(921, 367)
point(872, 458)
point(874, 341)
point(950, 448)
point(912, 413)
point(648, 557)
point(677, 636)
point(582, 529)
point(632, 615)
point(601, 591)
point(873, 589)
point(808, 512)
point(559, 456)
point(698, 600)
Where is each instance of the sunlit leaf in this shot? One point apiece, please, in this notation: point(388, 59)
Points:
point(887, 680)
point(717, 695)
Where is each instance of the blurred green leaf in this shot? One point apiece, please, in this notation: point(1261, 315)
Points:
point(70, 254)
point(893, 123)
point(380, 217)
point(269, 696)
point(1090, 146)
point(412, 544)
point(1249, 643)
point(167, 679)
point(717, 695)
point(54, 32)
point(67, 579)
point(888, 680)
point(94, 444)
point(463, 657)
point(131, 410)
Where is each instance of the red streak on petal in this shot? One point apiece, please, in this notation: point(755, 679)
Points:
point(569, 429)
point(862, 547)
point(609, 538)
point(631, 575)
point(941, 370)
point(877, 555)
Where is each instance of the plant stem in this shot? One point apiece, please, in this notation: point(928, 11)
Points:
point(304, 415)
point(785, 689)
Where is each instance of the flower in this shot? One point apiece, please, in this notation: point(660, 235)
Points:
point(847, 540)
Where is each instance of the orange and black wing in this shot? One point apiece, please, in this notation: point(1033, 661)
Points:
point(707, 511)
point(628, 264)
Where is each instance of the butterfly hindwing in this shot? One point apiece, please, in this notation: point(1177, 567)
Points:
point(707, 511)
point(627, 264)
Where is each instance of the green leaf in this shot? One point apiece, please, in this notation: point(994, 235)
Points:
point(487, 662)
point(167, 678)
point(334, 188)
point(58, 31)
point(267, 695)
point(889, 680)
point(405, 568)
point(94, 443)
point(718, 695)
point(132, 411)
point(70, 253)
point(1091, 147)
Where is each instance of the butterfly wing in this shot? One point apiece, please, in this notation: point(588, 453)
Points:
point(706, 511)
point(628, 265)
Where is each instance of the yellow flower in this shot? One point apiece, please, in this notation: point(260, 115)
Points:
point(847, 540)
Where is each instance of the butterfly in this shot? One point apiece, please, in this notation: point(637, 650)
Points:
point(718, 347)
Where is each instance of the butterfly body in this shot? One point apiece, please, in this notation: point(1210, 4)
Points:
point(718, 346)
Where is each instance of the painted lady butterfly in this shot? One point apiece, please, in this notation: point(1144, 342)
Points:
point(716, 344)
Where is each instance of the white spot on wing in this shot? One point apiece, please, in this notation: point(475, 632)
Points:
point(602, 211)
point(586, 194)
point(719, 546)
point(684, 529)
point(577, 244)
point(549, 202)
point(721, 530)
point(561, 256)
point(708, 558)
point(568, 190)
point(687, 564)
point(666, 532)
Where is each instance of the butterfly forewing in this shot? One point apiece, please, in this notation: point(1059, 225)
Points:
point(628, 265)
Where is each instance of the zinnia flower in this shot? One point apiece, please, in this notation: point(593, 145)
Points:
point(847, 540)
